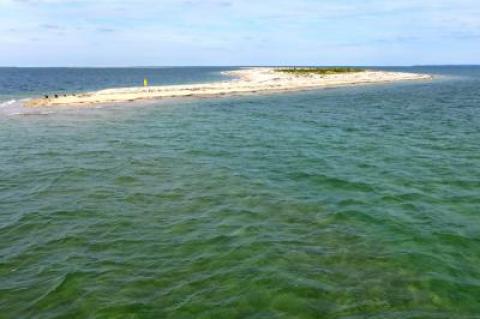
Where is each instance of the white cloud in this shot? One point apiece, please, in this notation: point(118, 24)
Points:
point(235, 31)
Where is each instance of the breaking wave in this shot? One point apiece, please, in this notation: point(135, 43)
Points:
point(7, 103)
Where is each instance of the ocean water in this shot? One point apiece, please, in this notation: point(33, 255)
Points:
point(354, 202)
point(17, 83)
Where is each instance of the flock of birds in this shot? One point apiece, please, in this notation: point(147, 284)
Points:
point(55, 96)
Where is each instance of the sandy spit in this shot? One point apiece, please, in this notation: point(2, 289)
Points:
point(243, 81)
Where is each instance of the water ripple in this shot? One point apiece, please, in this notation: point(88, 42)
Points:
point(349, 203)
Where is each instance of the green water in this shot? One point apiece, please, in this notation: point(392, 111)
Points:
point(349, 203)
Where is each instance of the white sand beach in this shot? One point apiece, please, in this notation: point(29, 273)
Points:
point(243, 81)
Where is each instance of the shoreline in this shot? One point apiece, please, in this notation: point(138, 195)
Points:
point(244, 81)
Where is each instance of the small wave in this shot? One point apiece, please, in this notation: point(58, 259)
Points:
point(7, 103)
point(15, 107)
point(11, 106)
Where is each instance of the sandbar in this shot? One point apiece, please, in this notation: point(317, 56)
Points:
point(243, 81)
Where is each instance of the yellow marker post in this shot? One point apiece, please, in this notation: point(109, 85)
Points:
point(145, 82)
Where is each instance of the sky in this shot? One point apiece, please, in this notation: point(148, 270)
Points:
point(238, 32)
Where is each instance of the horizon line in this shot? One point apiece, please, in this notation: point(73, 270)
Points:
point(228, 66)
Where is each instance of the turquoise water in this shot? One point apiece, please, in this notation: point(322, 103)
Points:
point(358, 202)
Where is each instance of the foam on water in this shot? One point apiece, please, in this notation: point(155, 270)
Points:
point(17, 107)
point(7, 103)
point(11, 107)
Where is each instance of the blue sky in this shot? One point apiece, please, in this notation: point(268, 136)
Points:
point(238, 32)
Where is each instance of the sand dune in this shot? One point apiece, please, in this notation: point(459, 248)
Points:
point(243, 81)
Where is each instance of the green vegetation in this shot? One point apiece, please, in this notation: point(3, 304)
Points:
point(322, 71)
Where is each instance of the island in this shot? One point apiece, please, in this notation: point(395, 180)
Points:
point(243, 81)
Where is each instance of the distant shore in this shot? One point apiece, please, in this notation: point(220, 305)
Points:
point(243, 81)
